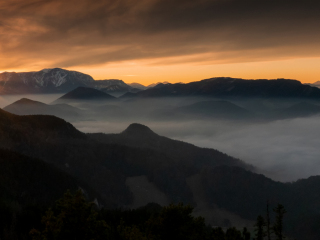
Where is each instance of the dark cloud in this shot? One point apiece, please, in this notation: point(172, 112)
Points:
point(83, 32)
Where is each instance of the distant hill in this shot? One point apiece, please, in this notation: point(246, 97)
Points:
point(33, 127)
point(56, 80)
point(233, 87)
point(137, 85)
point(84, 94)
point(155, 84)
point(137, 135)
point(114, 87)
point(26, 106)
point(315, 84)
point(302, 109)
point(204, 110)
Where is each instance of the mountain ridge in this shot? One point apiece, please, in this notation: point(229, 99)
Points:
point(26, 106)
point(232, 87)
point(83, 94)
point(105, 161)
point(55, 80)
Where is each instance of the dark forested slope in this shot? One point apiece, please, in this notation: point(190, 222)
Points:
point(104, 162)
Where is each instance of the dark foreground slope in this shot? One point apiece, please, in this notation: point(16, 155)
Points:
point(105, 166)
point(28, 187)
point(105, 162)
point(26, 180)
point(245, 193)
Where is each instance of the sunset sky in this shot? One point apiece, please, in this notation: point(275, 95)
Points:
point(163, 40)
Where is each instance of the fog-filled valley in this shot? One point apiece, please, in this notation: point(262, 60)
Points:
point(278, 137)
point(224, 146)
point(285, 150)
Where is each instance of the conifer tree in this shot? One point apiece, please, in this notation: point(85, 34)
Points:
point(278, 225)
point(246, 234)
point(268, 222)
point(72, 218)
point(259, 228)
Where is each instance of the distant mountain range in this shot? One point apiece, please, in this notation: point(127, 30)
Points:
point(315, 84)
point(232, 87)
point(45, 81)
point(91, 104)
point(56, 80)
point(137, 86)
point(156, 84)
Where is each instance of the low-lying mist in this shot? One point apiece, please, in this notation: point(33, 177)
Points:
point(285, 150)
point(44, 98)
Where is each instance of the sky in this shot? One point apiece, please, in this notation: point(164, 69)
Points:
point(148, 41)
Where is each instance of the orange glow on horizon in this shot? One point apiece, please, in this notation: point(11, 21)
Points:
point(305, 70)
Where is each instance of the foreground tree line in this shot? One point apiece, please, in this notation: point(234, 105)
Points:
point(73, 217)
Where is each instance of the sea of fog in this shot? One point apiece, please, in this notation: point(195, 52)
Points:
point(285, 150)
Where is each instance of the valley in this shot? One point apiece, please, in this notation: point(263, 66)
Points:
point(129, 151)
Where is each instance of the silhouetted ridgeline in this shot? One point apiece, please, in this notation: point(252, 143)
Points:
point(26, 106)
point(84, 94)
point(57, 80)
point(233, 87)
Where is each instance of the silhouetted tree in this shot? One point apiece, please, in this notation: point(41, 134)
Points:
point(259, 228)
point(268, 222)
point(278, 225)
point(233, 234)
point(245, 234)
point(217, 234)
point(72, 218)
point(176, 222)
point(131, 233)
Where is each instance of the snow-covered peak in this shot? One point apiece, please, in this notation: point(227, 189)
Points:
point(46, 70)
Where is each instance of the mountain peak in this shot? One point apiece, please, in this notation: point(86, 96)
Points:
point(86, 93)
point(138, 129)
point(27, 101)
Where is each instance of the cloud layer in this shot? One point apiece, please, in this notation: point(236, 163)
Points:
point(81, 33)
